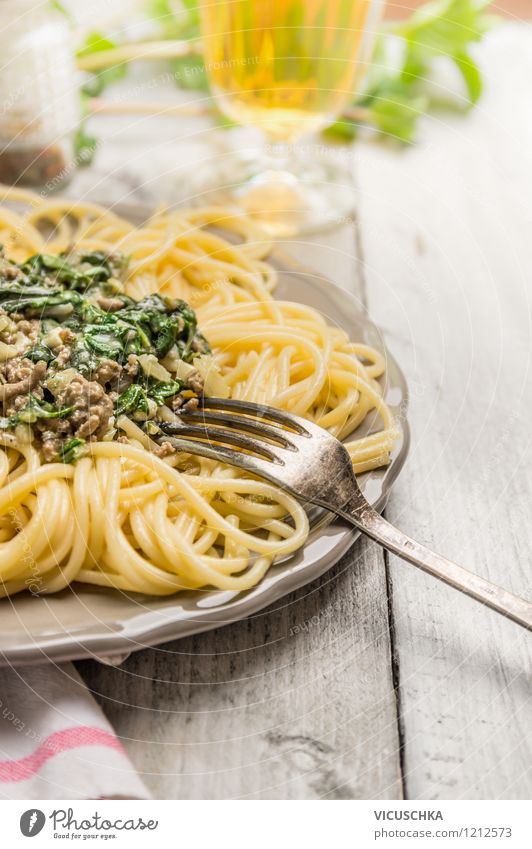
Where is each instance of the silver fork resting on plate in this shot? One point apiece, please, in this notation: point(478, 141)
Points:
point(305, 460)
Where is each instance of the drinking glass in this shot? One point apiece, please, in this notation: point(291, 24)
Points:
point(287, 67)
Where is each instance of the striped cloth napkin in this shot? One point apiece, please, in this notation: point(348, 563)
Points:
point(55, 742)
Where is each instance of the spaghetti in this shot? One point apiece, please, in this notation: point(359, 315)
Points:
point(121, 514)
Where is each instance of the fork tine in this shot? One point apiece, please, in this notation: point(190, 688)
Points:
point(256, 411)
point(220, 435)
point(221, 453)
point(241, 423)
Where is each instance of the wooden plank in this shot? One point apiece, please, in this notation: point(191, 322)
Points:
point(294, 703)
point(297, 702)
point(446, 235)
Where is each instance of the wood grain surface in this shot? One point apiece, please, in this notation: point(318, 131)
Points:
point(376, 681)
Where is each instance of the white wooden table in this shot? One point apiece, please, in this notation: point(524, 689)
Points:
point(392, 685)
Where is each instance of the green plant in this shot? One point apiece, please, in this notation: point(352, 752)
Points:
point(397, 92)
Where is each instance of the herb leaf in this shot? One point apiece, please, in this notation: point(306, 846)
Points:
point(396, 94)
point(95, 42)
point(163, 389)
point(133, 399)
point(37, 409)
point(70, 450)
point(39, 353)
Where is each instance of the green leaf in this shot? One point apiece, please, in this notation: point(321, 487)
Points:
point(82, 359)
point(224, 121)
point(96, 43)
point(60, 7)
point(39, 353)
point(163, 389)
point(471, 75)
point(159, 9)
point(104, 344)
point(131, 400)
point(37, 409)
point(444, 28)
point(342, 130)
point(397, 118)
point(70, 451)
point(172, 21)
point(84, 145)
point(397, 91)
point(182, 22)
point(189, 73)
point(445, 25)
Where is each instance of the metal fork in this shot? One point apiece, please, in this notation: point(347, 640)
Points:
point(305, 460)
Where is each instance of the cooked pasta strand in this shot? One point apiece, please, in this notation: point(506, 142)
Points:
point(121, 517)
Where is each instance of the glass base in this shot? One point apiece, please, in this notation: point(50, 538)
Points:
point(289, 191)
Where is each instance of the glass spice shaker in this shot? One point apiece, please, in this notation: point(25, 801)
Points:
point(39, 95)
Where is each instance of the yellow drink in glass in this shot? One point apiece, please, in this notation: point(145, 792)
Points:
point(286, 66)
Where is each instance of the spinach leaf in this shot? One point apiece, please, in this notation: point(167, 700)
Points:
point(38, 409)
point(40, 353)
point(133, 399)
point(163, 389)
point(70, 450)
point(82, 359)
point(104, 344)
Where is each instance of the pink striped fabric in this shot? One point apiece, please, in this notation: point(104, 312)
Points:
point(56, 742)
point(60, 741)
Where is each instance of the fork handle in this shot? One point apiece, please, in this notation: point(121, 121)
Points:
point(371, 523)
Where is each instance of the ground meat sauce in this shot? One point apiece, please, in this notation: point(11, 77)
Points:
point(72, 345)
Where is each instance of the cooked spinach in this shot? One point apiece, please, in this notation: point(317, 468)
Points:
point(161, 390)
point(132, 400)
point(49, 287)
point(70, 450)
point(81, 292)
point(83, 359)
point(77, 272)
point(38, 409)
point(39, 353)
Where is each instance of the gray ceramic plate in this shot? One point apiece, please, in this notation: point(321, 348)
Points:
point(84, 622)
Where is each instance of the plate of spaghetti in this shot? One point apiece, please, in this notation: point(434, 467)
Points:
point(112, 321)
